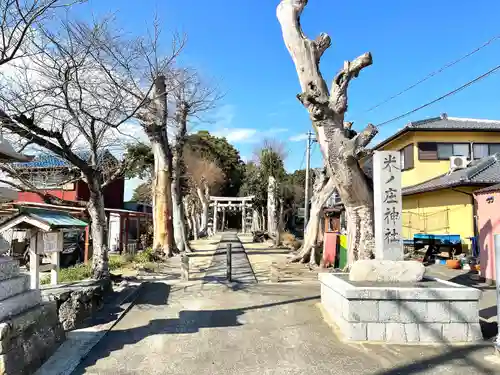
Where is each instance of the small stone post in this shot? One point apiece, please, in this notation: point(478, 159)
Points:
point(34, 259)
point(387, 205)
point(215, 218)
point(223, 226)
point(243, 217)
point(56, 264)
point(185, 267)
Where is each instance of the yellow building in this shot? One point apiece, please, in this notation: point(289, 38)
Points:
point(437, 199)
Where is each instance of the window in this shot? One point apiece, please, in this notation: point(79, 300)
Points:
point(482, 150)
point(442, 151)
point(494, 148)
point(460, 149)
point(407, 157)
point(427, 151)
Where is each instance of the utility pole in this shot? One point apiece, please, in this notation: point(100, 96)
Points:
point(310, 140)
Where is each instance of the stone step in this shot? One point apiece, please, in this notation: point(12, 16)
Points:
point(13, 286)
point(19, 303)
point(8, 268)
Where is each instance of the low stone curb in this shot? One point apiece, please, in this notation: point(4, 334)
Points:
point(80, 342)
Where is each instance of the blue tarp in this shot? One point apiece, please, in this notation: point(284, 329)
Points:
point(446, 239)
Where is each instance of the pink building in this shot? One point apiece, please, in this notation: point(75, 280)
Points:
point(488, 219)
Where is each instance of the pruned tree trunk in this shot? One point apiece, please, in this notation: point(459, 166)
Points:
point(187, 217)
point(263, 224)
point(162, 203)
point(272, 207)
point(198, 218)
point(327, 110)
point(97, 215)
point(180, 234)
point(279, 224)
point(194, 222)
point(162, 179)
point(202, 195)
point(320, 197)
point(255, 221)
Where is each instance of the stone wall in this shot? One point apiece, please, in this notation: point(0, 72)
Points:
point(29, 329)
point(429, 315)
point(77, 302)
point(28, 339)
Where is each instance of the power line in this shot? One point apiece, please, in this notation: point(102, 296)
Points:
point(430, 75)
point(442, 97)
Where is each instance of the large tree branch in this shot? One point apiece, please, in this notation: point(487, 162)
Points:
point(338, 96)
point(356, 147)
point(306, 56)
point(38, 135)
point(304, 52)
point(119, 172)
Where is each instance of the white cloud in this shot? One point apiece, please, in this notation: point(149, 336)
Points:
point(236, 134)
point(298, 137)
point(247, 135)
point(224, 126)
point(276, 131)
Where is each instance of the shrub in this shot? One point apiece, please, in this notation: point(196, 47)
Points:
point(75, 273)
point(117, 262)
point(145, 256)
point(290, 241)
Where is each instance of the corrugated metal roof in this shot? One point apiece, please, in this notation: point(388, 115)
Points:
point(56, 219)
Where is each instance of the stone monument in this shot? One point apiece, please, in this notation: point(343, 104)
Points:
point(29, 329)
point(388, 299)
point(388, 205)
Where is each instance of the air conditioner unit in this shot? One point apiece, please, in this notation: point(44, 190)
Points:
point(458, 162)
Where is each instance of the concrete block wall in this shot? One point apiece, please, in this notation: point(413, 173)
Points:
point(430, 315)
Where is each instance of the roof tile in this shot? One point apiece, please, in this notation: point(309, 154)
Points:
point(445, 123)
point(481, 172)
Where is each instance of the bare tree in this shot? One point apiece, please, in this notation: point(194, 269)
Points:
point(157, 68)
point(192, 98)
point(327, 109)
point(20, 20)
point(270, 159)
point(205, 177)
point(155, 123)
point(72, 95)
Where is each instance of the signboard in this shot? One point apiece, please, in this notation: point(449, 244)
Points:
point(388, 205)
point(49, 242)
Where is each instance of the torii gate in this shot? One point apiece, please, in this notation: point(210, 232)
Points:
point(220, 204)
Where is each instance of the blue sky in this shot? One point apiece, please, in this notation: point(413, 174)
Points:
point(239, 45)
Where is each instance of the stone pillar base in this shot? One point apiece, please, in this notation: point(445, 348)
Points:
point(432, 311)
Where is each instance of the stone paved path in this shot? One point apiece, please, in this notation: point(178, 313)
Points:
point(254, 329)
point(241, 269)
